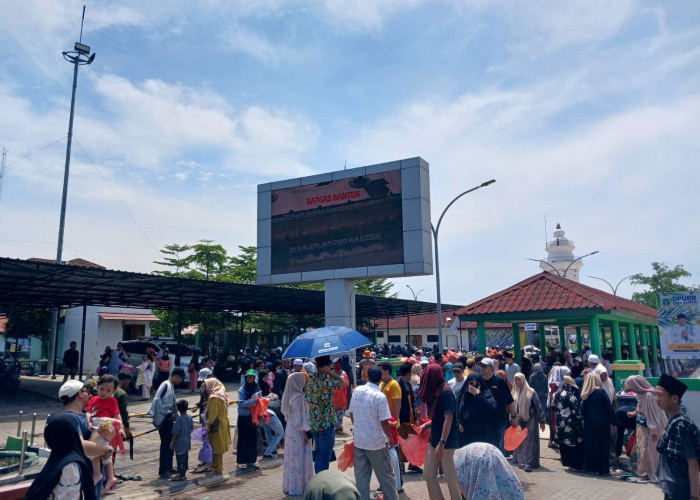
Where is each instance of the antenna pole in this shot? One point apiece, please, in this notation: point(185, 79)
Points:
point(80, 40)
point(2, 169)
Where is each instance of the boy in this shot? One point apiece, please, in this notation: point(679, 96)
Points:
point(101, 412)
point(180, 442)
point(679, 445)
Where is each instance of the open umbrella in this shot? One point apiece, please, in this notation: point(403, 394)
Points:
point(326, 341)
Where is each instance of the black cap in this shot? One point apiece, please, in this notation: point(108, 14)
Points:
point(672, 385)
point(681, 316)
point(405, 368)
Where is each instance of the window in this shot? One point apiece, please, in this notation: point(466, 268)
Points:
point(395, 338)
point(433, 338)
point(380, 334)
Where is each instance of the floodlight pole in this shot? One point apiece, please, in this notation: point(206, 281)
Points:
point(435, 230)
point(78, 57)
point(613, 288)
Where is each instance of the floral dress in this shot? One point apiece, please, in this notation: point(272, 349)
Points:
point(298, 461)
point(569, 419)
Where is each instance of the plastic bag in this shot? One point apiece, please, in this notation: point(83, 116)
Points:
point(200, 435)
point(514, 437)
point(347, 458)
point(415, 446)
point(259, 411)
point(630, 443)
point(206, 454)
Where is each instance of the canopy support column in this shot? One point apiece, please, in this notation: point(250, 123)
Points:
point(595, 336)
point(481, 333)
point(82, 342)
point(562, 337)
point(543, 340)
point(516, 342)
point(645, 345)
point(632, 341)
point(579, 341)
point(617, 344)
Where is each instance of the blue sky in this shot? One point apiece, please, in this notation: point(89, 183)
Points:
point(585, 112)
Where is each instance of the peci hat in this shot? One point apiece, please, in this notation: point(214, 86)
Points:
point(298, 362)
point(203, 374)
point(593, 359)
point(487, 362)
point(672, 385)
point(578, 358)
point(70, 389)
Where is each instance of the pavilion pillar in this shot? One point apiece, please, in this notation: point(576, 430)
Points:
point(579, 341)
point(617, 345)
point(645, 344)
point(654, 344)
point(595, 335)
point(543, 340)
point(516, 342)
point(632, 341)
point(481, 333)
point(562, 337)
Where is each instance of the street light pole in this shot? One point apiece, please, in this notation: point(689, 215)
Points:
point(435, 230)
point(567, 267)
point(415, 295)
point(78, 57)
point(613, 288)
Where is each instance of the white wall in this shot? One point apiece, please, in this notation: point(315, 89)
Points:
point(99, 332)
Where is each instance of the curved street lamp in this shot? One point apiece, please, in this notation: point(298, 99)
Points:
point(613, 288)
point(567, 267)
point(415, 294)
point(435, 230)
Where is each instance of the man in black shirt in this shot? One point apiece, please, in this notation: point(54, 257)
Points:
point(70, 361)
point(281, 375)
point(505, 406)
point(407, 412)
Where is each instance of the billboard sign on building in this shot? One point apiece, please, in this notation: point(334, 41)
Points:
point(679, 325)
point(371, 221)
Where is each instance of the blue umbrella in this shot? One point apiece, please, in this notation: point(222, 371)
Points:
point(326, 341)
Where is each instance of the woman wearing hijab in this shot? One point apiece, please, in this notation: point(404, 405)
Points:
point(598, 415)
point(476, 413)
point(448, 372)
point(217, 411)
point(164, 365)
point(554, 382)
point(247, 444)
point(444, 437)
point(605, 382)
point(298, 459)
point(651, 422)
point(528, 412)
point(484, 473)
point(68, 472)
point(567, 402)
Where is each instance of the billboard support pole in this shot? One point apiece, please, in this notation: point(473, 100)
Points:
point(340, 302)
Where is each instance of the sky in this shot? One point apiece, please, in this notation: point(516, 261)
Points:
point(585, 112)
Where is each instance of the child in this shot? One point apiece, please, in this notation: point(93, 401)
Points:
point(101, 413)
point(180, 442)
point(679, 445)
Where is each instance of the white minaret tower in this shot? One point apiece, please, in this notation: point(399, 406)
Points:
point(560, 255)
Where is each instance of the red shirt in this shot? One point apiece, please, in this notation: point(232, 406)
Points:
point(102, 408)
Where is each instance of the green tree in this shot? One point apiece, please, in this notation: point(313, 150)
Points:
point(209, 260)
point(664, 279)
point(174, 258)
point(242, 268)
point(31, 323)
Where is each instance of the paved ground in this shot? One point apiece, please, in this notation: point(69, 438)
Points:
point(550, 481)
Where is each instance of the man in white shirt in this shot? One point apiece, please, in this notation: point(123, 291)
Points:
point(370, 414)
point(512, 368)
point(458, 382)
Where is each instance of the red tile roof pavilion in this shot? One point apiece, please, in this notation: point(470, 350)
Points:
point(548, 299)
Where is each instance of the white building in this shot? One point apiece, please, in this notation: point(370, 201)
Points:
point(560, 257)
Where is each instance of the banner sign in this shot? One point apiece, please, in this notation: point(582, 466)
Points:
point(530, 327)
point(679, 325)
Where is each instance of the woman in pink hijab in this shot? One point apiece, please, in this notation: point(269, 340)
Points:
point(651, 422)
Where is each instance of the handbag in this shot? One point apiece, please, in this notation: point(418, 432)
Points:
point(214, 426)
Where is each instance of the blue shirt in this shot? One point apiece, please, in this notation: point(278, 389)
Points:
point(82, 424)
point(182, 428)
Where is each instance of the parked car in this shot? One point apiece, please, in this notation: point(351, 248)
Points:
point(136, 349)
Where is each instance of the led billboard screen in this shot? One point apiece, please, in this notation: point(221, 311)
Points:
point(351, 223)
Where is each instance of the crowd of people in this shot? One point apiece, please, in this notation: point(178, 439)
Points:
point(295, 408)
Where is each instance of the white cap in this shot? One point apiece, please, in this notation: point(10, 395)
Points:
point(298, 362)
point(70, 389)
point(203, 374)
point(487, 362)
point(593, 359)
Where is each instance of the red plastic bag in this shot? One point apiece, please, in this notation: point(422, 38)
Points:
point(514, 437)
point(347, 458)
point(259, 411)
point(415, 446)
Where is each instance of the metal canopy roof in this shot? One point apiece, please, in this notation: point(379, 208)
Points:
point(28, 284)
